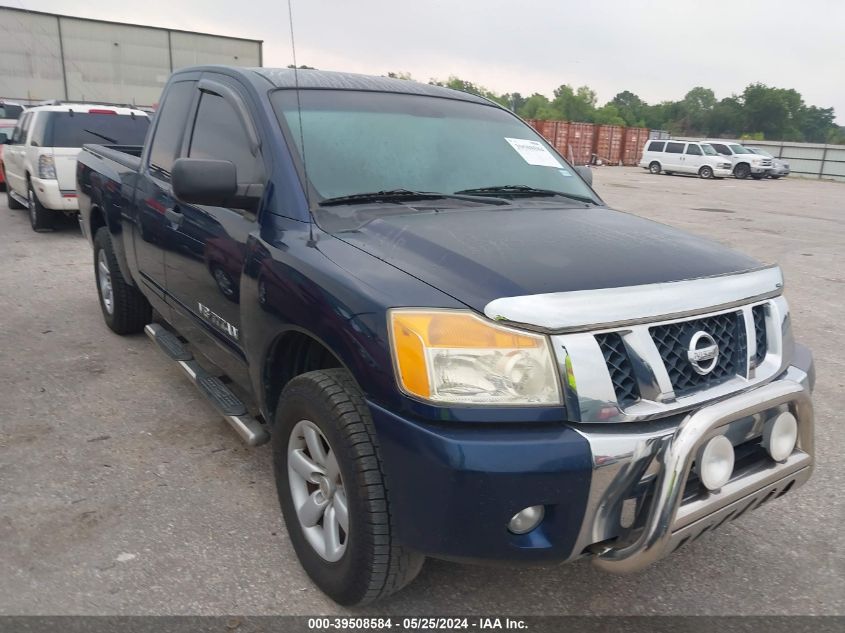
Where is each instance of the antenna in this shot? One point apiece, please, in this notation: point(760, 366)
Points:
point(299, 115)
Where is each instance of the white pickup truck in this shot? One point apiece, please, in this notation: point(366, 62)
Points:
point(40, 156)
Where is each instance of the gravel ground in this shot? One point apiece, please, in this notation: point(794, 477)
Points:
point(121, 492)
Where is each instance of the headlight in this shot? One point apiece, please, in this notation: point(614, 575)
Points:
point(460, 358)
point(46, 167)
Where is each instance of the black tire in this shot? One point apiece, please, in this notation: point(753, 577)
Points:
point(654, 167)
point(668, 173)
point(373, 565)
point(13, 204)
point(774, 177)
point(40, 218)
point(706, 172)
point(758, 176)
point(742, 171)
point(130, 309)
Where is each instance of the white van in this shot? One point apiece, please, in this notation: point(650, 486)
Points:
point(683, 157)
point(39, 158)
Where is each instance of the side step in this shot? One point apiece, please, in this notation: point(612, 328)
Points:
point(18, 198)
point(216, 392)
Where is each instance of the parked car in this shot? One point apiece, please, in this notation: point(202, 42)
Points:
point(11, 111)
point(780, 167)
point(40, 156)
point(745, 162)
point(455, 347)
point(6, 128)
point(684, 157)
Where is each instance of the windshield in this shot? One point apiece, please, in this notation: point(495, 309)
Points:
point(359, 142)
point(762, 153)
point(708, 150)
point(74, 129)
point(739, 149)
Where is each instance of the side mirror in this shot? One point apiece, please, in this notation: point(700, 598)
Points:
point(200, 181)
point(586, 173)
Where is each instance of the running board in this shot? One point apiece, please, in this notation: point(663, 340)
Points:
point(215, 390)
point(18, 198)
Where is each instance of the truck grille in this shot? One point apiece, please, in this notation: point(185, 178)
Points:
point(767, 162)
point(620, 368)
point(673, 339)
point(759, 313)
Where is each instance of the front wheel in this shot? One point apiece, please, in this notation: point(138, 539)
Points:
point(706, 172)
point(40, 218)
point(654, 168)
point(332, 490)
point(742, 171)
point(125, 309)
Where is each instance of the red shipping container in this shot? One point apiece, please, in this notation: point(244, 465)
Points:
point(608, 144)
point(632, 149)
point(579, 144)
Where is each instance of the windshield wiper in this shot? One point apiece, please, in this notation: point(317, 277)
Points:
point(523, 191)
point(398, 195)
point(102, 136)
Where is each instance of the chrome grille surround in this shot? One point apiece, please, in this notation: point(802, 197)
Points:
point(591, 396)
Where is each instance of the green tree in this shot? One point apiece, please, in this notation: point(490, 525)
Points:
point(608, 115)
point(817, 124)
point(726, 118)
point(695, 109)
point(400, 75)
point(630, 107)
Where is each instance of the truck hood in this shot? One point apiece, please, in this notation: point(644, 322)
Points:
point(478, 255)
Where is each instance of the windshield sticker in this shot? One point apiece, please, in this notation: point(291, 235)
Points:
point(534, 152)
point(564, 172)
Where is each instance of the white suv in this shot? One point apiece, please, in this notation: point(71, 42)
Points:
point(39, 158)
point(745, 162)
point(684, 157)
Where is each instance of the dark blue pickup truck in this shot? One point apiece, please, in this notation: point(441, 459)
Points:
point(456, 348)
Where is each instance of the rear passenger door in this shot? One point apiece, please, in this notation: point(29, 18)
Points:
point(154, 232)
point(13, 157)
point(673, 158)
point(204, 276)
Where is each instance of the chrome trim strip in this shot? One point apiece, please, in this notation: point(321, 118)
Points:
point(675, 458)
point(582, 310)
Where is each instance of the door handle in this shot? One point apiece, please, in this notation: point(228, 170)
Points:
point(174, 215)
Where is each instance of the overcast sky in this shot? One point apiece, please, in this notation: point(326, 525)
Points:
point(658, 49)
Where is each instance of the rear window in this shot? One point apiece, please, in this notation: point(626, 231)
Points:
point(74, 129)
point(674, 148)
point(656, 146)
point(10, 111)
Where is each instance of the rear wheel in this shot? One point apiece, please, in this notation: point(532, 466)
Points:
point(125, 309)
point(706, 172)
point(654, 168)
point(40, 218)
point(742, 171)
point(332, 490)
point(758, 176)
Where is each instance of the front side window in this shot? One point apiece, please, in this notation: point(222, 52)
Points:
point(708, 150)
point(361, 142)
point(219, 134)
point(721, 148)
point(674, 148)
point(172, 119)
point(656, 146)
point(693, 149)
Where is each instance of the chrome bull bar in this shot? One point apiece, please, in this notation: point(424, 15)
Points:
point(666, 525)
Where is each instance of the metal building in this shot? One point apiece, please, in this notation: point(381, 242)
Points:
point(49, 56)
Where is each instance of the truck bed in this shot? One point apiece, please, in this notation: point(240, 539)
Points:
point(128, 156)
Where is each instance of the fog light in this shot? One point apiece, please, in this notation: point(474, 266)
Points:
point(715, 462)
point(780, 435)
point(526, 520)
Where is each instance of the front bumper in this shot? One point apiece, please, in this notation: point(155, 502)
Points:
point(453, 489)
point(760, 169)
point(51, 197)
